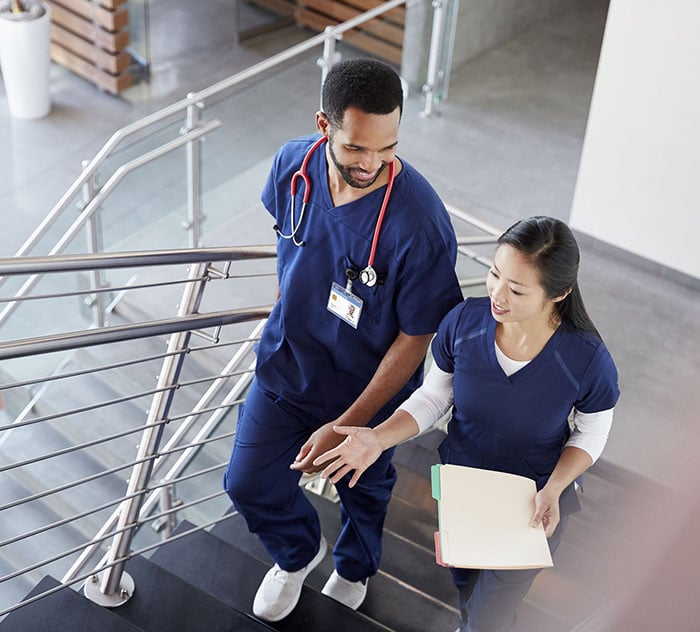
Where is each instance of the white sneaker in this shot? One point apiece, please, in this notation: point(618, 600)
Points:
point(351, 594)
point(280, 590)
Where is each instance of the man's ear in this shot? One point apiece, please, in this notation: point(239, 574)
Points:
point(322, 123)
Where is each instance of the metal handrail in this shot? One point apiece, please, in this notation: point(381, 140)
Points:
point(176, 444)
point(192, 132)
point(90, 209)
point(142, 497)
point(115, 365)
point(182, 462)
point(193, 99)
point(188, 320)
point(10, 266)
point(120, 333)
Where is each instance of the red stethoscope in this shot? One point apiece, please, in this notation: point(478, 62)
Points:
point(368, 275)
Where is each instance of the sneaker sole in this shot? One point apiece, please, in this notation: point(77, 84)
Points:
point(323, 549)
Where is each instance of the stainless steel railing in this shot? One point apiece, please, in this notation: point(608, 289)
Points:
point(192, 132)
point(169, 436)
point(84, 527)
point(72, 532)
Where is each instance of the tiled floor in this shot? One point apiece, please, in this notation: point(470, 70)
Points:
point(505, 145)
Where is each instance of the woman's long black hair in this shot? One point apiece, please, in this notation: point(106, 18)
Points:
point(551, 246)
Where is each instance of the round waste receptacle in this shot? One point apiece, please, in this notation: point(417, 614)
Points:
point(25, 61)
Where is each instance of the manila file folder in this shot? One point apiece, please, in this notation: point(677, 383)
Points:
point(484, 520)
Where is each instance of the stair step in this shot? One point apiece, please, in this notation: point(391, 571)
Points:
point(411, 522)
point(232, 576)
point(63, 611)
point(415, 489)
point(164, 601)
point(408, 573)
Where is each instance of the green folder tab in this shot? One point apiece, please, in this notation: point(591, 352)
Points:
point(435, 480)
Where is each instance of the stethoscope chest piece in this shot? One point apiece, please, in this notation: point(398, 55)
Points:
point(368, 276)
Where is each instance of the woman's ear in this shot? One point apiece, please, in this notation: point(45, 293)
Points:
point(561, 297)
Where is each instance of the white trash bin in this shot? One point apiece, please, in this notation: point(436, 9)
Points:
point(24, 61)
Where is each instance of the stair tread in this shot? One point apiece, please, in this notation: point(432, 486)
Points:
point(76, 613)
point(405, 567)
point(412, 522)
point(164, 601)
point(232, 576)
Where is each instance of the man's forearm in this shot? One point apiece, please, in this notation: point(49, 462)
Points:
point(398, 365)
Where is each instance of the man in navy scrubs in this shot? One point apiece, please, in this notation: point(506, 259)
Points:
point(366, 273)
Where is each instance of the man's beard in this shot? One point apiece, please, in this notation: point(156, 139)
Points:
point(346, 172)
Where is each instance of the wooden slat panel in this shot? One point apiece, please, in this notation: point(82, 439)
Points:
point(360, 40)
point(112, 4)
point(113, 63)
point(113, 42)
point(111, 83)
point(281, 7)
point(397, 15)
point(341, 12)
point(110, 20)
point(374, 46)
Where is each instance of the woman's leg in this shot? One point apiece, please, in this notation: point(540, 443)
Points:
point(494, 597)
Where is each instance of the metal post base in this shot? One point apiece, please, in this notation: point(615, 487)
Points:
point(321, 487)
point(121, 596)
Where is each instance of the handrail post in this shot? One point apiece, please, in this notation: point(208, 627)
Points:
point(330, 56)
point(194, 220)
point(436, 45)
point(166, 503)
point(115, 587)
point(95, 239)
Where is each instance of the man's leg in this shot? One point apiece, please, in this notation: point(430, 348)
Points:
point(267, 494)
point(359, 546)
point(263, 488)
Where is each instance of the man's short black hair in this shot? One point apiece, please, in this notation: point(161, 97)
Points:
point(366, 84)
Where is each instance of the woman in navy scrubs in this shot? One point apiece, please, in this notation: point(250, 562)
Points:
point(513, 365)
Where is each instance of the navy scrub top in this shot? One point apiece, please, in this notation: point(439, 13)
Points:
point(518, 423)
point(309, 356)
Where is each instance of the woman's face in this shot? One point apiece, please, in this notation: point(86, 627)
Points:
point(515, 291)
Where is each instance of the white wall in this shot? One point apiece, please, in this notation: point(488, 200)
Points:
point(638, 185)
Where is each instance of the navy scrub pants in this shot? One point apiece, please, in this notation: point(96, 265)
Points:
point(266, 492)
point(488, 599)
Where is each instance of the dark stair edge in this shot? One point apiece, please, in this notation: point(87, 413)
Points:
point(164, 601)
point(407, 573)
point(232, 576)
point(403, 560)
point(63, 611)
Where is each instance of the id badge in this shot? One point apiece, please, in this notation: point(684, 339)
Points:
point(344, 304)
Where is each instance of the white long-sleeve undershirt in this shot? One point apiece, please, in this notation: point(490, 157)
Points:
point(433, 399)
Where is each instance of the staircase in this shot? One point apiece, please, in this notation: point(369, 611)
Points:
point(205, 581)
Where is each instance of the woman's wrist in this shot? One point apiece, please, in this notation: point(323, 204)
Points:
point(398, 428)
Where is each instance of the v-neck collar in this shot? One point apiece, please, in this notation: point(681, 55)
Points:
point(531, 367)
